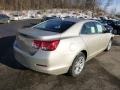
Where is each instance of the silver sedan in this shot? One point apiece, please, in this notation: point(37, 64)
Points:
point(59, 46)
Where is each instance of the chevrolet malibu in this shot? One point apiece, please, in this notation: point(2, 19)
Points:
point(58, 46)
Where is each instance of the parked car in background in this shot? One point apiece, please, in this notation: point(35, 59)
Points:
point(103, 18)
point(107, 27)
point(58, 46)
point(47, 18)
point(115, 24)
point(4, 18)
point(15, 17)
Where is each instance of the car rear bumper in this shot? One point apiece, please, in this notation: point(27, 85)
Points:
point(40, 64)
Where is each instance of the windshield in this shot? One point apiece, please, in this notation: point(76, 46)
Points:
point(118, 22)
point(54, 25)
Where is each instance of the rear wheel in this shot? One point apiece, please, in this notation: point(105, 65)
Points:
point(78, 65)
point(115, 32)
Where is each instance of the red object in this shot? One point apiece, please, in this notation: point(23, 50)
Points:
point(46, 45)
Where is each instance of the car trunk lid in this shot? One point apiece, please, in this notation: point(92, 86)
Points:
point(25, 38)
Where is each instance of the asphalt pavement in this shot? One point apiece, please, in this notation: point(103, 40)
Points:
point(100, 73)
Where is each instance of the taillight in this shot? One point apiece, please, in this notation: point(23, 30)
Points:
point(46, 45)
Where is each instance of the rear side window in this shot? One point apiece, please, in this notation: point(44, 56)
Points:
point(99, 27)
point(54, 25)
point(89, 28)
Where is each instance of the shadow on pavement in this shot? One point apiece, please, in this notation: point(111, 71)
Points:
point(6, 53)
point(116, 41)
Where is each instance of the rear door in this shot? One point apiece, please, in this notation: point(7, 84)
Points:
point(104, 36)
point(91, 39)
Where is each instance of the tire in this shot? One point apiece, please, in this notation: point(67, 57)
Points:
point(115, 32)
point(77, 65)
point(109, 46)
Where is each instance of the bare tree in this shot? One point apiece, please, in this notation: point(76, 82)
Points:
point(107, 4)
point(46, 4)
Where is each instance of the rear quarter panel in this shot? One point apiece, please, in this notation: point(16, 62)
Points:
point(69, 48)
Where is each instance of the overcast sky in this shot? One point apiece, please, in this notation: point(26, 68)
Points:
point(115, 5)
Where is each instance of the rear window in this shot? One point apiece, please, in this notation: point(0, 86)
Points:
point(54, 25)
